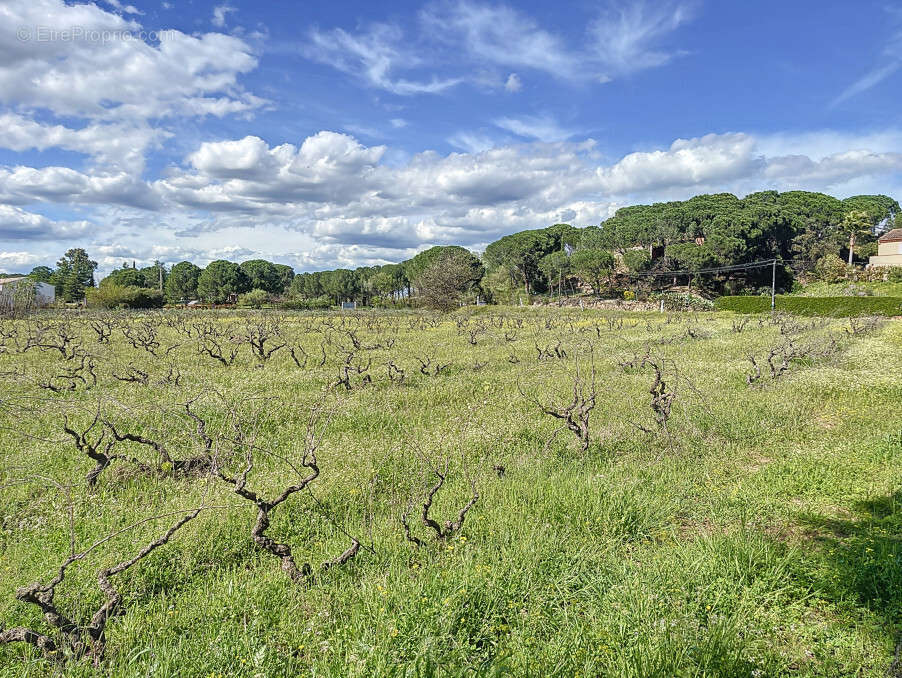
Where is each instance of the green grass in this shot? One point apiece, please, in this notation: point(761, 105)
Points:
point(762, 539)
point(841, 289)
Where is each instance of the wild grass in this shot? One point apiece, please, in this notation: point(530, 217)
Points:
point(761, 535)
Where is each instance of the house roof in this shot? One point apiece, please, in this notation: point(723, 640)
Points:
point(893, 236)
point(9, 280)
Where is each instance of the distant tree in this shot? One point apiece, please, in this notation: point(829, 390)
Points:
point(830, 268)
point(339, 284)
point(691, 256)
point(881, 209)
point(855, 224)
point(41, 274)
point(401, 282)
point(519, 255)
point(592, 266)
point(498, 287)
point(636, 261)
point(256, 298)
point(286, 276)
point(383, 283)
point(363, 276)
point(563, 236)
point(592, 237)
point(220, 279)
point(414, 267)
point(155, 276)
point(181, 285)
point(263, 275)
point(125, 277)
point(307, 285)
point(296, 289)
point(441, 285)
point(111, 295)
point(555, 267)
point(74, 273)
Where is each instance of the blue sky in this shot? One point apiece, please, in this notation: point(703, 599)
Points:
point(344, 134)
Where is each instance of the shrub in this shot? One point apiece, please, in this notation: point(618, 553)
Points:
point(442, 285)
point(869, 275)
point(124, 296)
point(894, 275)
point(637, 260)
point(254, 299)
point(840, 307)
point(681, 302)
point(830, 268)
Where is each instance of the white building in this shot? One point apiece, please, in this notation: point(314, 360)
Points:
point(889, 249)
point(44, 293)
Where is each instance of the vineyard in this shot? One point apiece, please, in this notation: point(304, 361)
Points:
point(495, 491)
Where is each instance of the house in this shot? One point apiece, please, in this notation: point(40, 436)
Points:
point(44, 293)
point(889, 249)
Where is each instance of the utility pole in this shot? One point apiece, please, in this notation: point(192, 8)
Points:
point(160, 271)
point(773, 287)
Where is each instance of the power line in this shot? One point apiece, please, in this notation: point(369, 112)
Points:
point(720, 269)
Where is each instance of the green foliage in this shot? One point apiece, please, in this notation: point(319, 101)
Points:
point(839, 307)
point(264, 275)
point(866, 250)
point(155, 275)
point(894, 275)
point(125, 277)
point(519, 255)
point(112, 296)
point(690, 256)
point(181, 285)
point(637, 261)
point(41, 274)
point(830, 269)
point(220, 280)
point(286, 277)
point(592, 267)
point(499, 288)
point(340, 284)
point(254, 299)
point(307, 285)
point(877, 208)
point(74, 273)
point(878, 288)
point(764, 542)
point(796, 224)
point(383, 283)
point(555, 267)
point(674, 301)
point(857, 225)
point(442, 284)
point(414, 267)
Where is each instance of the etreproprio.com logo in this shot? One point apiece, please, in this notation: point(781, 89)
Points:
point(82, 34)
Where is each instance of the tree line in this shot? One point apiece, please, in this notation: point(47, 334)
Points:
point(702, 232)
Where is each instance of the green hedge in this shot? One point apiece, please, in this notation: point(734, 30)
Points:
point(839, 307)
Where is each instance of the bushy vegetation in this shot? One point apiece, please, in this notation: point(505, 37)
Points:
point(840, 307)
point(818, 233)
point(526, 492)
point(111, 295)
point(848, 288)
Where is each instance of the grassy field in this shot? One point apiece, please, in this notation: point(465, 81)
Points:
point(737, 530)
